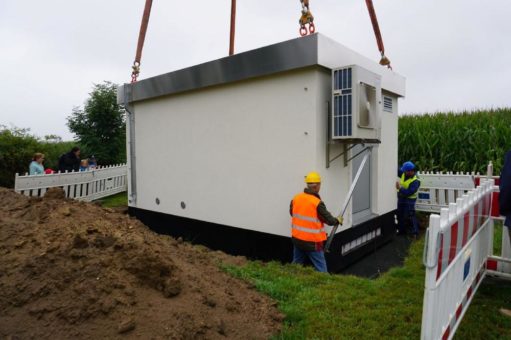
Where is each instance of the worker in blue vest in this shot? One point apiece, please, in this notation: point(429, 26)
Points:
point(505, 202)
point(407, 188)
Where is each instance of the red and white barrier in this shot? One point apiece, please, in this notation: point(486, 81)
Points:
point(458, 250)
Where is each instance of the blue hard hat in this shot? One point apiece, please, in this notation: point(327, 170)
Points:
point(408, 166)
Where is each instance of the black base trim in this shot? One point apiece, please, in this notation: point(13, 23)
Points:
point(264, 246)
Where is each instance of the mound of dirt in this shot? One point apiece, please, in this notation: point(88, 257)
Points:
point(71, 269)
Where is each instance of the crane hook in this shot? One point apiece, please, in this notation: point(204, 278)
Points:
point(306, 19)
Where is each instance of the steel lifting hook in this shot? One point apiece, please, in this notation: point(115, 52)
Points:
point(135, 72)
point(306, 18)
point(303, 30)
point(312, 28)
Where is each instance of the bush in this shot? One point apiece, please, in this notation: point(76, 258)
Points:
point(17, 147)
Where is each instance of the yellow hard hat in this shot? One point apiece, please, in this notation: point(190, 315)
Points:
point(313, 177)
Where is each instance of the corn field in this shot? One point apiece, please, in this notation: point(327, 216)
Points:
point(464, 141)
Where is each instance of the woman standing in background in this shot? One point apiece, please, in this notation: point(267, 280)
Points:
point(36, 166)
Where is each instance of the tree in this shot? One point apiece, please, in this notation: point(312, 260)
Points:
point(52, 139)
point(100, 127)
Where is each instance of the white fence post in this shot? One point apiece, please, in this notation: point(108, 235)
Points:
point(489, 170)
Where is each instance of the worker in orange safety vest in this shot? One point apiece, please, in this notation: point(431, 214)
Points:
point(308, 216)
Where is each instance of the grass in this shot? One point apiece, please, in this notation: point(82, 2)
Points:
point(483, 319)
point(320, 306)
point(114, 201)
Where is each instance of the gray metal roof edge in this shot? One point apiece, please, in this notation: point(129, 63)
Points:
point(280, 57)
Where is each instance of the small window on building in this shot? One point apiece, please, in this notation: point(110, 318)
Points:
point(387, 104)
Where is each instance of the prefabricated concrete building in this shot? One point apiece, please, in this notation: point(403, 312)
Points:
point(216, 151)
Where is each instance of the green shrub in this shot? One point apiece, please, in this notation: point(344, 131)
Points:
point(17, 147)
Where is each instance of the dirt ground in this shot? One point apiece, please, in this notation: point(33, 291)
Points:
point(71, 269)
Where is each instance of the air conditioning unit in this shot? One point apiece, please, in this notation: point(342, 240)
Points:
point(356, 104)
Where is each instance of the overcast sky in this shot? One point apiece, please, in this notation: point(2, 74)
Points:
point(455, 54)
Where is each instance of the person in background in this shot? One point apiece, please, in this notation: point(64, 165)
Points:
point(36, 166)
point(92, 162)
point(407, 188)
point(70, 161)
point(84, 165)
point(308, 214)
point(505, 202)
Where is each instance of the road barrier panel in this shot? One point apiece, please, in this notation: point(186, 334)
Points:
point(457, 256)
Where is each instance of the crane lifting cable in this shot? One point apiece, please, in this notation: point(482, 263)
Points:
point(233, 27)
point(141, 38)
point(384, 61)
point(306, 19)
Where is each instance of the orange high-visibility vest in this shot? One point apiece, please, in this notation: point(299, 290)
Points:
point(305, 224)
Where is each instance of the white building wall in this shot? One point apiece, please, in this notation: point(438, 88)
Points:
point(234, 154)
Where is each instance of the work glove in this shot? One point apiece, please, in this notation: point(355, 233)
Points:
point(340, 220)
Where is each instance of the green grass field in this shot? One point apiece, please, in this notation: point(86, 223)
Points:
point(321, 306)
point(114, 201)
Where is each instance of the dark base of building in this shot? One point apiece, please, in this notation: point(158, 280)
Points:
point(347, 247)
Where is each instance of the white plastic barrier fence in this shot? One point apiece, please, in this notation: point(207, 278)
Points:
point(457, 252)
point(437, 190)
point(84, 185)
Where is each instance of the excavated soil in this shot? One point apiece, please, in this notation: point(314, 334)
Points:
point(74, 270)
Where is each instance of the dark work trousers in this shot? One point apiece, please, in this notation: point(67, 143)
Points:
point(406, 217)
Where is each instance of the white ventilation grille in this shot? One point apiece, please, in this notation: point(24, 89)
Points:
point(387, 104)
point(343, 108)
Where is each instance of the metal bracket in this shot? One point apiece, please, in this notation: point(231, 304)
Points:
point(347, 147)
point(344, 153)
